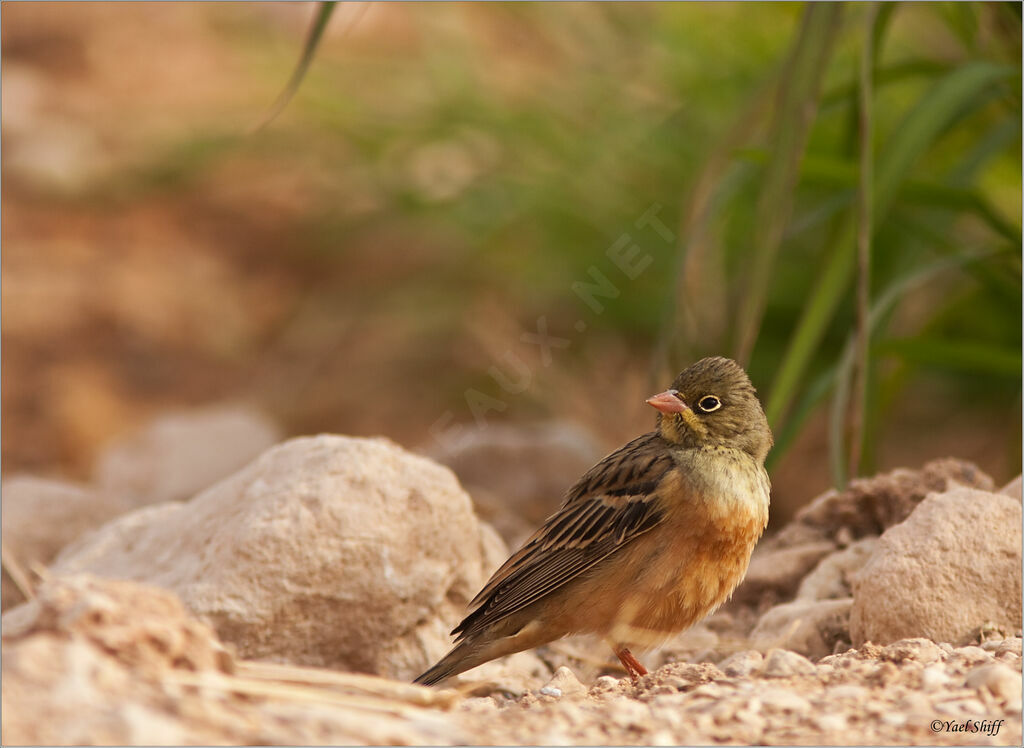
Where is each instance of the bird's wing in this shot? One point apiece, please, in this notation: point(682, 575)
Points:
point(613, 503)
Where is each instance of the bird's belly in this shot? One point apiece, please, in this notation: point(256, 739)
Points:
point(709, 546)
point(670, 597)
point(686, 594)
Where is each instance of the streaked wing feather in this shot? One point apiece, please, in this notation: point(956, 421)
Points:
point(565, 564)
point(612, 504)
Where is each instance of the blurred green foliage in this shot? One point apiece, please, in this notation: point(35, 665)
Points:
point(508, 145)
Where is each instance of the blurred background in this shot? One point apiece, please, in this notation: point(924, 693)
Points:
point(634, 187)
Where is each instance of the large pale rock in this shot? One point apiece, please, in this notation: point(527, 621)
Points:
point(782, 663)
point(836, 519)
point(180, 454)
point(40, 517)
point(329, 550)
point(517, 474)
point(951, 567)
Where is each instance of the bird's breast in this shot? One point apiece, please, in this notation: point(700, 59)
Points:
point(724, 488)
point(715, 513)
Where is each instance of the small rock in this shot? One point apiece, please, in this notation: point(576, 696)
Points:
point(604, 683)
point(933, 678)
point(751, 705)
point(781, 663)
point(565, 682)
point(963, 540)
point(742, 664)
point(997, 679)
point(783, 700)
point(670, 683)
point(753, 722)
point(839, 658)
point(961, 707)
point(704, 672)
point(710, 690)
point(1009, 646)
point(810, 627)
point(831, 722)
point(670, 689)
point(549, 691)
point(973, 654)
point(894, 719)
point(478, 704)
point(662, 737)
point(883, 674)
point(831, 578)
point(724, 710)
point(513, 675)
point(699, 705)
point(919, 650)
point(629, 713)
point(914, 703)
point(847, 691)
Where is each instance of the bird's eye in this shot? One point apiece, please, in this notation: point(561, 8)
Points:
point(709, 403)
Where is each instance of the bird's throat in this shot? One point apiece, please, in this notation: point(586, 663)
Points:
point(682, 428)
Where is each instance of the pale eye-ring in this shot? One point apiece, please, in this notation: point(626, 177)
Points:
point(709, 403)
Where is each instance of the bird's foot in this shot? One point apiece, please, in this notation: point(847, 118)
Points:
point(631, 663)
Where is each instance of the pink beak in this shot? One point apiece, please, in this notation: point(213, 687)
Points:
point(667, 402)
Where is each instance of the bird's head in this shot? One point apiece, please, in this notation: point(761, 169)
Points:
point(713, 403)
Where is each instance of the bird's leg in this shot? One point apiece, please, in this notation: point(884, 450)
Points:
point(631, 663)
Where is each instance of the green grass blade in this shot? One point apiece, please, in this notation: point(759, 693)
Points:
point(813, 395)
point(880, 309)
point(934, 112)
point(799, 91)
point(857, 402)
point(316, 32)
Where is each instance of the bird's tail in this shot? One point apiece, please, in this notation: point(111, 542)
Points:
point(462, 657)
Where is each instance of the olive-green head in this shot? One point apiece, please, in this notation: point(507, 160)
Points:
point(713, 403)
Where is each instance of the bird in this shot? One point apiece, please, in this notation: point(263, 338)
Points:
point(646, 543)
